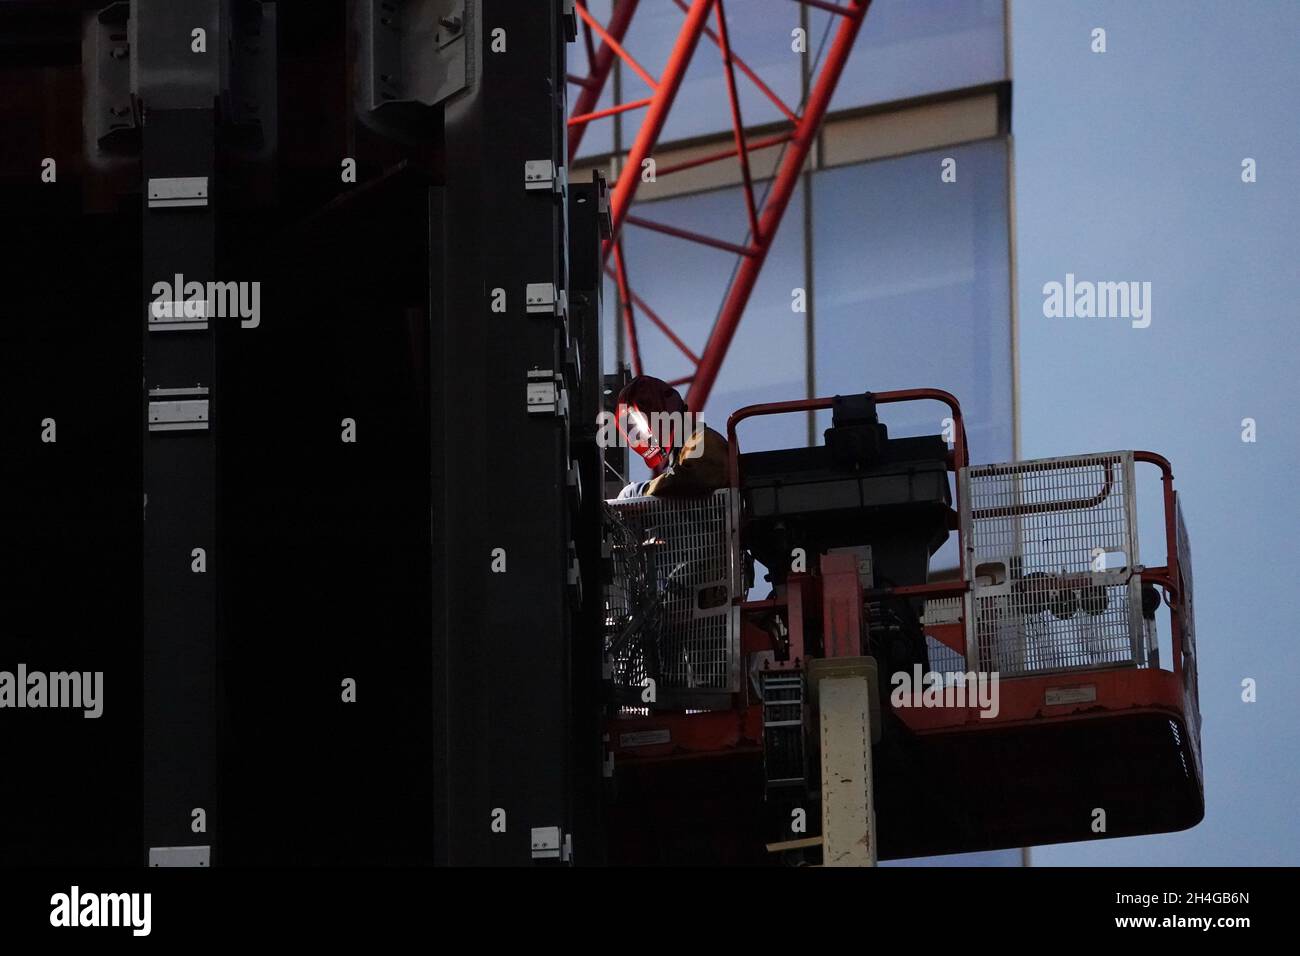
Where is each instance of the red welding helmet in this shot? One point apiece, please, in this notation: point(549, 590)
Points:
point(640, 401)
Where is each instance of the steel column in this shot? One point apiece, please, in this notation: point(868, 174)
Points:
point(178, 88)
point(506, 594)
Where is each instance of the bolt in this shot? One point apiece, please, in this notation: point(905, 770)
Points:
point(451, 23)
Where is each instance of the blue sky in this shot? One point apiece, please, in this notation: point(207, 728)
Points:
point(1128, 167)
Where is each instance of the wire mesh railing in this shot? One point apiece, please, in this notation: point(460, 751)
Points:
point(1051, 556)
point(669, 613)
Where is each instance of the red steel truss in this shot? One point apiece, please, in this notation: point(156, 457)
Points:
point(763, 218)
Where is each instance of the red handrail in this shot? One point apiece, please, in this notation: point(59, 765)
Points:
point(1168, 576)
point(958, 459)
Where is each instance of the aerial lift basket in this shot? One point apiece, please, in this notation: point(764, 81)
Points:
point(669, 609)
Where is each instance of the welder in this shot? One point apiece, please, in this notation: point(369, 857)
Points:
point(687, 457)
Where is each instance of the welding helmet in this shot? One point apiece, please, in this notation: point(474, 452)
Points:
point(640, 405)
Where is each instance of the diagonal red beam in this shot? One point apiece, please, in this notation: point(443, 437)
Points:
point(617, 47)
point(778, 197)
point(737, 124)
point(753, 77)
point(691, 236)
point(585, 118)
point(619, 19)
point(648, 135)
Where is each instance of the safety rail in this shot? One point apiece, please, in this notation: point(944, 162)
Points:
point(958, 458)
point(1169, 576)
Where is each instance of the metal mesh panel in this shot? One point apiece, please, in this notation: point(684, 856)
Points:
point(668, 605)
point(632, 606)
point(943, 659)
point(1051, 546)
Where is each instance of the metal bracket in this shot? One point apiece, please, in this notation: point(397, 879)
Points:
point(604, 218)
point(540, 299)
point(179, 410)
point(575, 573)
point(174, 315)
point(110, 111)
point(546, 393)
point(573, 362)
point(574, 481)
point(195, 856)
point(542, 174)
point(549, 843)
point(570, 21)
point(412, 52)
point(178, 191)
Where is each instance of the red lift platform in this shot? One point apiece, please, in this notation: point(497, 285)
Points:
point(1023, 699)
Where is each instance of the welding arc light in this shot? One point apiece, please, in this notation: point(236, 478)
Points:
point(635, 426)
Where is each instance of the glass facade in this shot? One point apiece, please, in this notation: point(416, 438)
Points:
point(913, 288)
point(910, 287)
point(905, 49)
point(759, 32)
point(908, 49)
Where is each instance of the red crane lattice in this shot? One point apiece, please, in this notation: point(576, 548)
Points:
point(764, 218)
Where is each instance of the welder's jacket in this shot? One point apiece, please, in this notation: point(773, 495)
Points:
point(699, 467)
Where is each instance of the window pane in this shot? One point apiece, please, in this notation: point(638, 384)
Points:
point(912, 290)
point(908, 48)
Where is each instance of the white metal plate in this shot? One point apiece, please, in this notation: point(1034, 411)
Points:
point(177, 191)
point(192, 856)
point(848, 813)
point(187, 415)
